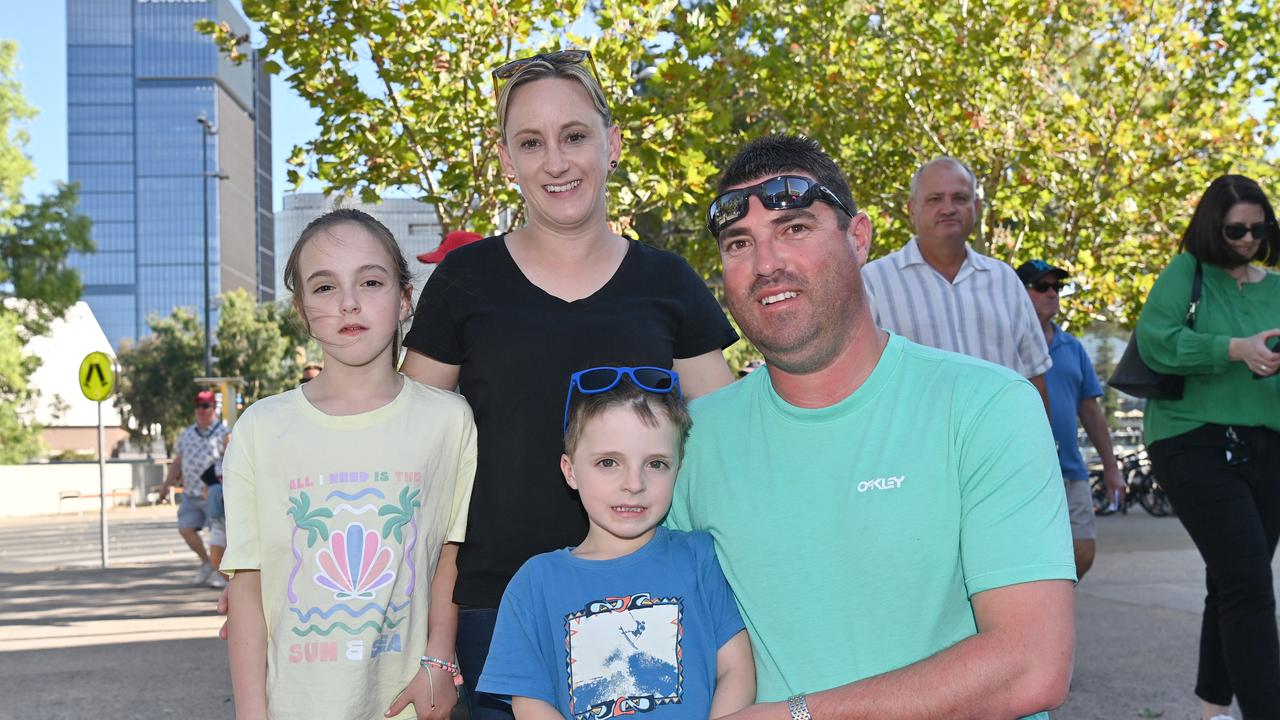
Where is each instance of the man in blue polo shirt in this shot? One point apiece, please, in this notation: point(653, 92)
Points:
point(1073, 394)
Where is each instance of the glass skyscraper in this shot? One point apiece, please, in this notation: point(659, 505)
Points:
point(138, 76)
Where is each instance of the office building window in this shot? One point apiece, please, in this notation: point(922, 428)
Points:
point(104, 177)
point(99, 60)
point(99, 22)
point(88, 89)
point(101, 148)
point(100, 119)
point(107, 207)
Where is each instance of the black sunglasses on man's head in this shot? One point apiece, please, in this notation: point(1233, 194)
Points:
point(1043, 286)
point(780, 193)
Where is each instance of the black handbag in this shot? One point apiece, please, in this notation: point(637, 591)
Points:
point(1134, 377)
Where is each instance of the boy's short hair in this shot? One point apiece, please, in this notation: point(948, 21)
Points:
point(583, 407)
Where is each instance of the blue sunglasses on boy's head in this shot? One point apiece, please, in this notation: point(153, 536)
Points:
point(596, 380)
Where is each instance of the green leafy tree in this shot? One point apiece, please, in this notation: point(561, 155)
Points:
point(34, 241)
point(301, 348)
point(33, 256)
point(1091, 126)
point(157, 377)
point(405, 98)
point(15, 166)
point(19, 440)
point(251, 346)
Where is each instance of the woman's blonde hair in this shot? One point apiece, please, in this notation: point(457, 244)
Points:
point(542, 69)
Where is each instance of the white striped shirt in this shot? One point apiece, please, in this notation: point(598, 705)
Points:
point(984, 313)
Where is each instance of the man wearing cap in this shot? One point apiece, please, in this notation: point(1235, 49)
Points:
point(1073, 393)
point(938, 291)
point(199, 447)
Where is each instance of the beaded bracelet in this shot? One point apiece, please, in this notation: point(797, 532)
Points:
point(445, 665)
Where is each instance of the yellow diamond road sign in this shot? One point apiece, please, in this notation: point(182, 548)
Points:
point(97, 376)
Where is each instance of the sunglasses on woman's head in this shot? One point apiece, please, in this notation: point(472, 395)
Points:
point(573, 56)
point(507, 70)
point(1259, 231)
point(780, 193)
point(596, 380)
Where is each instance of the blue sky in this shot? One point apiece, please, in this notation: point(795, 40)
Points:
point(40, 28)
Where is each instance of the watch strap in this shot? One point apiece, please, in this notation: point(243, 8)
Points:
point(799, 708)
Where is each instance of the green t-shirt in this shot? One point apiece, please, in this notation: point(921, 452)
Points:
point(854, 535)
point(1217, 390)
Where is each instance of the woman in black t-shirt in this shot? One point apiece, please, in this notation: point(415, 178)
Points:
point(509, 318)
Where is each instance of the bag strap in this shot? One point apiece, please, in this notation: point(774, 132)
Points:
point(1197, 284)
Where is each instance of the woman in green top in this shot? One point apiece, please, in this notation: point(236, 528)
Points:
point(1216, 450)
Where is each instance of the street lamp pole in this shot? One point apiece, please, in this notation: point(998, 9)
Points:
point(209, 130)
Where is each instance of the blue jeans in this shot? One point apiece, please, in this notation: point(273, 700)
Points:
point(475, 630)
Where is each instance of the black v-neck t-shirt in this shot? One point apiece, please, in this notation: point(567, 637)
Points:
point(517, 345)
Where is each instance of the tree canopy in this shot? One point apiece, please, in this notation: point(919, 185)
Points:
point(260, 343)
point(35, 238)
point(1092, 127)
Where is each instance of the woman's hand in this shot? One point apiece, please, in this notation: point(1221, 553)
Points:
point(1254, 353)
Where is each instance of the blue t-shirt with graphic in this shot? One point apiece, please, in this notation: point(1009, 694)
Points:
point(631, 635)
point(1069, 381)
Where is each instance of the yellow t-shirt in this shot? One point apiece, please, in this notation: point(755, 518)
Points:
point(345, 517)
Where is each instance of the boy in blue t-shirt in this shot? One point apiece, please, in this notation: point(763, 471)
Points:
point(637, 618)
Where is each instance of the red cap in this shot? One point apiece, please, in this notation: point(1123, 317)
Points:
point(206, 396)
point(452, 241)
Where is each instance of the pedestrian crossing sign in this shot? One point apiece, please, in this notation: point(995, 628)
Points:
point(97, 376)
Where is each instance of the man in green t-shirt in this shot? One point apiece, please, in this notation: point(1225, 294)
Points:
point(890, 516)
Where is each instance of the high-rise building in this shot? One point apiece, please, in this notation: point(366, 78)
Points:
point(413, 223)
point(138, 77)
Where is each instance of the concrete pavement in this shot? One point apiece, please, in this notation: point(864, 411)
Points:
point(136, 641)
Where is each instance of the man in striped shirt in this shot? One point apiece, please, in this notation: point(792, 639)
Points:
point(939, 291)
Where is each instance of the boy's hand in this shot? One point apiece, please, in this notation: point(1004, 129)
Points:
point(420, 691)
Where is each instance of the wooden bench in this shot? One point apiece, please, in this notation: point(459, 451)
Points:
point(64, 495)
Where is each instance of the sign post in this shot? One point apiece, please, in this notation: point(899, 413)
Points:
point(97, 381)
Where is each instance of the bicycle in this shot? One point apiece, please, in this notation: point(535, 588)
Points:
point(1143, 488)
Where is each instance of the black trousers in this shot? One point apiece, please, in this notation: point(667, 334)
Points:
point(1232, 512)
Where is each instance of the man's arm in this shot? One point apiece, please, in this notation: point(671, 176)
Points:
point(1095, 426)
point(1043, 387)
point(171, 478)
point(1018, 664)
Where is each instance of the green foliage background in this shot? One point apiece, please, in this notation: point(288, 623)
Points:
point(1093, 126)
point(36, 285)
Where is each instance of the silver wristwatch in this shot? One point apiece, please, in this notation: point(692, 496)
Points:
point(799, 708)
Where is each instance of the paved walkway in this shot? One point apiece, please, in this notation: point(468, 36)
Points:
point(136, 642)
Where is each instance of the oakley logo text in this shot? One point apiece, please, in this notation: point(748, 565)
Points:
point(884, 483)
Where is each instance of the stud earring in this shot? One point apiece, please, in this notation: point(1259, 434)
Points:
point(613, 164)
